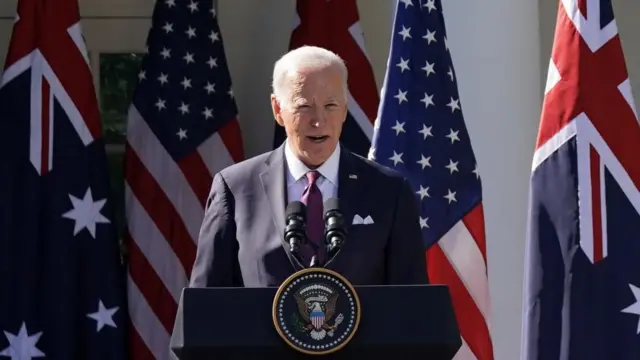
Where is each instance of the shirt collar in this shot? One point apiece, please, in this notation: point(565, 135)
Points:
point(297, 169)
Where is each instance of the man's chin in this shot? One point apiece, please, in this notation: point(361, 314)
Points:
point(313, 161)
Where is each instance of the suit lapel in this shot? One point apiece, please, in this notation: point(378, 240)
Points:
point(351, 190)
point(351, 187)
point(274, 185)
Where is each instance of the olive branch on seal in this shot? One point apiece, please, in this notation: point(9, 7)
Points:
point(297, 323)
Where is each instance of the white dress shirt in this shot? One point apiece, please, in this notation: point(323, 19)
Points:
point(296, 175)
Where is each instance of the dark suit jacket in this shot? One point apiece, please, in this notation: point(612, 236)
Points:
point(241, 241)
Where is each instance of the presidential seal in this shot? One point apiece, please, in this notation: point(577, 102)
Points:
point(316, 311)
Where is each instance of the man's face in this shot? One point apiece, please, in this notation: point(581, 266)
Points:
point(313, 113)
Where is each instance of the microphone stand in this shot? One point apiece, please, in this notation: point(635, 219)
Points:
point(297, 258)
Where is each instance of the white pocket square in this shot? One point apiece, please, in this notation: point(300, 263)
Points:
point(358, 220)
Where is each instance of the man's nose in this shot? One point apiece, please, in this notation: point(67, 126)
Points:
point(318, 117)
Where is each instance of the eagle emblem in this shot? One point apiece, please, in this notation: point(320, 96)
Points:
point(316, 311)
point(316, 307)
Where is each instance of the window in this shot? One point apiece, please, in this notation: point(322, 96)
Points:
point(118, 78)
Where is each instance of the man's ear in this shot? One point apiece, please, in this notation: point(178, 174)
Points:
point(276, 108)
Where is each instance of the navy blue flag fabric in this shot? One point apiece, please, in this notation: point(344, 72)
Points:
point(61, 275)
point(582, 268)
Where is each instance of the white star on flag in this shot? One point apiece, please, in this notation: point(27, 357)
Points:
point(635, 307)
point(103, 316)
point(86, 213)
point(21, 345)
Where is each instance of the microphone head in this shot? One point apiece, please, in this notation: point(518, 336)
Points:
point(333, 217)
point(296, 208)
point(332, 204)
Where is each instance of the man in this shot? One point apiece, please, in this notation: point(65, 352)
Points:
point(241, 241)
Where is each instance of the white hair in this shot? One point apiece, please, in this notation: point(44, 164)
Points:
point(307, 57)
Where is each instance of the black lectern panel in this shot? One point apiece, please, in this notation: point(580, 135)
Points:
point(408, 322)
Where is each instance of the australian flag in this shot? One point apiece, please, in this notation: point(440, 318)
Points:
point(61, 277)
point(582, 274)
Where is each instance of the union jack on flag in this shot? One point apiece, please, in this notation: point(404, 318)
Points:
point(582, 274)
point(62, 290)
point(335, 25)
point(420, 131)
point(183, 128)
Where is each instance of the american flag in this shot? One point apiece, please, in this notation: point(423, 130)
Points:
point(182, 129)
point(61, 272)
point(335, 25)
point(420, 131)
point(582, 269)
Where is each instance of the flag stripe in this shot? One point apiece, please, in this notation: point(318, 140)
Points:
point(72, 88)
point(550, 146)
point(50, 130)
point(627, 94)
point(365, 122)
point(470, 320)
point(138, 350)
point(57, 88)
point(151, 196)
point(19, 52)
point(596, 204)
point(143, 230)
point(14, 69)
point(156, 295)
point(197, 175)
point(464, 353)
point(46, 116)
point(364, 117)
point(362, 85)
point(215, 154)
point(147, 326)
point(474, 223)
point(232, 138)
point(465, 258)
point(160, 166)
point(35, 136)
point(357, 33)
point(602, 193)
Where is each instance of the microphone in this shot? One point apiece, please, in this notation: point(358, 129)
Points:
point(294, 231)
point(335, 230)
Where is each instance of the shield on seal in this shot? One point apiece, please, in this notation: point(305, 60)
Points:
point(317, 316)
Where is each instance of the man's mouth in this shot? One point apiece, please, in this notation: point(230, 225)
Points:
point(318, 139)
